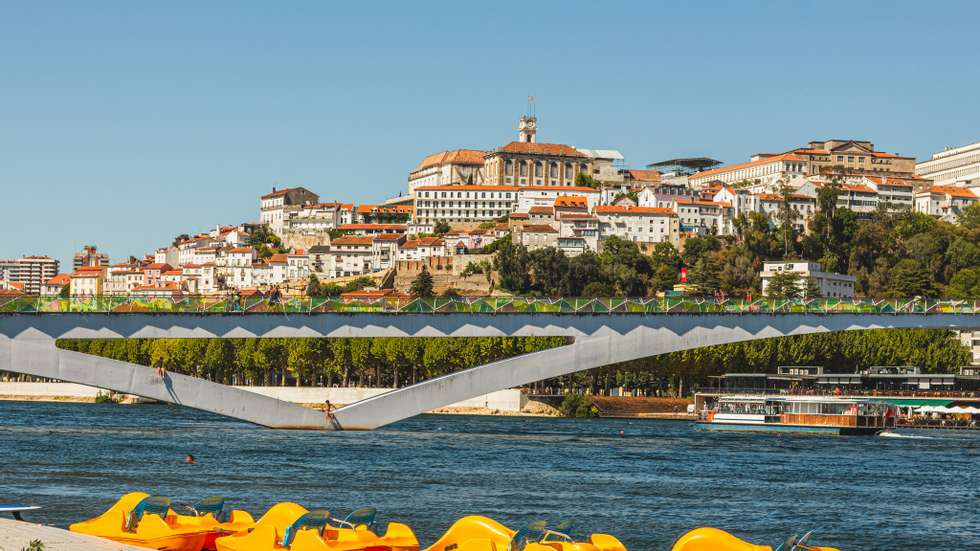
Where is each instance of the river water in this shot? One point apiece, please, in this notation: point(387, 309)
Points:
point(914, 490)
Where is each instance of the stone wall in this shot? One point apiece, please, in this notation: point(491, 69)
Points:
point(445, 272)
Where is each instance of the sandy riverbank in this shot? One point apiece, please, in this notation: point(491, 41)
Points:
point(16, 535)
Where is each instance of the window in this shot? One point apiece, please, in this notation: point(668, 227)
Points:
point(538, 169)
point(508, 167)
point(553, 170)
point(523, 169)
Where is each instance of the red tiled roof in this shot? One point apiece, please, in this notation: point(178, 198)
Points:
point(454, 157)
point(60, 279)
point(619, 209)
point(952, 191)
point(240, 250)
point(894, 182)
point(553, 149)
point(538, 228)
point(644, 175)
point(518, 216)
point(352, 240)
point(729, 168)
point(468, 187)
point(279, 258)
point(571, 201)
point(857, 188)
point(541, 210)
point(575, 189)
point(351, 227)
point(389, 236)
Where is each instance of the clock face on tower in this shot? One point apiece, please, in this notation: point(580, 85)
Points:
point(529, 124)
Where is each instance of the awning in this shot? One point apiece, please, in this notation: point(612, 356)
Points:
point(914, 401)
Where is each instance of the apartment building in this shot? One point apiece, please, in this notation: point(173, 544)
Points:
point(958, 166)
point(765, 172)
point(274, 206)
point(463, 203)
point(944, 202)
point(89, 256)
point(832, 285)
point(30, 272)
point(638, 224)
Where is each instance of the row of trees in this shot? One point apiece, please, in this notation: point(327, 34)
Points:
point(393, 362)
point(936, 351)
point(387, 362)
point(891, 255)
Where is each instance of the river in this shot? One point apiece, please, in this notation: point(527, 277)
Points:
point(915, 490)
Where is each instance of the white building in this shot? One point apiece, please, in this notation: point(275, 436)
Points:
point(87, 281)
point(30, 271)
point(273, 206)
point(313, 219)
point(54, 286)
point(832, 285)
point(638, 224)
point(350, 256)
point(545, 196)
point(953, 166)
point(446, 168)
point(662, 195)
point(944, 202)
point(896, 193)
point(463, 203)
point(422, 249)
point(536, 236)
point(704, 217)
point(298, 265)
point(762, 173)
point(577, 232)
point(385, 250)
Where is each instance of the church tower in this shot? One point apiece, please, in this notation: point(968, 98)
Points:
point(528, 129)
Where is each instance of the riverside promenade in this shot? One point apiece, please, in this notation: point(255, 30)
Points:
point(17, 535)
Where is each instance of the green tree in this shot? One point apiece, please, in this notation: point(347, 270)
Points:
point(422, 285)
point(965, 284)
point(586, 180)
point(511, 265)
point(313, 286)
point(909, 278)
point(441, 227)
point(784, 284)
point(549, 268)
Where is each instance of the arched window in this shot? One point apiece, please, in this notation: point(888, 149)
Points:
point(583, 168)
point(508, 167)
point(538, 169)
point(523, 169)
point(568, 170)
point(553, 170)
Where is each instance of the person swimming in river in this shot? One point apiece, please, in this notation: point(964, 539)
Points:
point(189, 460)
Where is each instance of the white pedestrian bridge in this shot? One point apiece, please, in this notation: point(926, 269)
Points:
point(600, 332)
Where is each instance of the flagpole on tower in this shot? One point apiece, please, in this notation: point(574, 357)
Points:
point(530, 106)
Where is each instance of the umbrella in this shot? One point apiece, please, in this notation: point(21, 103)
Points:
point(925, 409)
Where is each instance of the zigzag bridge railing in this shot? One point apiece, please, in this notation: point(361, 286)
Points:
point(478, 305)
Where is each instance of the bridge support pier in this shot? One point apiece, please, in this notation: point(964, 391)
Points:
point(34, 353)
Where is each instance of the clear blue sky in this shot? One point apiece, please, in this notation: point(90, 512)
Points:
point(126, 123)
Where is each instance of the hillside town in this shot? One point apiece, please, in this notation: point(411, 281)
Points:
point(458, 203)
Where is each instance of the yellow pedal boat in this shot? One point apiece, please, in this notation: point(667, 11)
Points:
point(147, 521)
point(478, 533)
point(713, 539)
point(291, 526)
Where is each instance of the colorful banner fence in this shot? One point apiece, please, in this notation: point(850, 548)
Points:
point(478, 305)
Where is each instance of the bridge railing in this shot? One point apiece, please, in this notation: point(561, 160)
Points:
point(478, 305)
